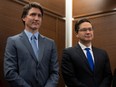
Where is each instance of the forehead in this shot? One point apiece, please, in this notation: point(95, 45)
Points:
point(34, 10)
point(85, 24)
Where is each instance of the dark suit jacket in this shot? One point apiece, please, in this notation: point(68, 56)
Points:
point(21, 67)
point(77, 73)
point(114, 79)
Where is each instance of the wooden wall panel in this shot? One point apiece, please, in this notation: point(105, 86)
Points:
point(89, 7)
point(10, 24)
point(57, 6)
point(60, 45)
point(48, 27)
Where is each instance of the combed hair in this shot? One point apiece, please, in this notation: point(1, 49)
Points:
point(29, 6)
point(77, 24)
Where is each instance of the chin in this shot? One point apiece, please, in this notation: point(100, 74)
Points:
point(34, 28)
point(88, 39)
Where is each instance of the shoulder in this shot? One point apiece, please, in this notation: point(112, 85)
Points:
point(99, 51)
point(12, 40)
point(15, 37)
point(73, 48)
point(48, 42)
point(47, 39)
point(69, 50)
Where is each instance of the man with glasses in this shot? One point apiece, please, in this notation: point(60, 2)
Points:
point(85, 65)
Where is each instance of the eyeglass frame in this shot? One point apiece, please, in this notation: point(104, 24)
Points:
point(85, 29)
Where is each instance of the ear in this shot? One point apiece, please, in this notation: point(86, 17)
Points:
point(77, 35)
point(23, 19)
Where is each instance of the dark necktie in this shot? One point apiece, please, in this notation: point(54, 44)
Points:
point(89, 57)
point(34, 45)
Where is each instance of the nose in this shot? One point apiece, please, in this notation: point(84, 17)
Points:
point(36, 17)
point(88, 31)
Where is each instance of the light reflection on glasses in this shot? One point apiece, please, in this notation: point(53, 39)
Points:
point(85, 29)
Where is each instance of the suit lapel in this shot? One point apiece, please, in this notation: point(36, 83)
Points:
point(27, 44)
point(96, 59)
point(83, 58)
point(41, 47)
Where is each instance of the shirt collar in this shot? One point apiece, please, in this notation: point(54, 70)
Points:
point(83, 46)
point(29, 34)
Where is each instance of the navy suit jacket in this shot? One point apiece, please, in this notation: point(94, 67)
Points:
point(21, 67)
point(77, 73)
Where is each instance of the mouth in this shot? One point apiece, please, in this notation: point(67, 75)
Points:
point(88, 36)
point(35, 23)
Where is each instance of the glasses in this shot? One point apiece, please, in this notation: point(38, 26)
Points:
point(85, 29)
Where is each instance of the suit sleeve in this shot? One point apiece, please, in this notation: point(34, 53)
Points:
point(11, 65)
point(68, 71)
point(107, 72)
point(54, 68)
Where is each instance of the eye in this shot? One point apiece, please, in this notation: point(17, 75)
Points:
point(85, 29)
point(39, 15)
point(33, 14)
point(90, 29)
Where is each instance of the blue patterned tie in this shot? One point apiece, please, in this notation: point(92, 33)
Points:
point(34, 45)
point(89, 57)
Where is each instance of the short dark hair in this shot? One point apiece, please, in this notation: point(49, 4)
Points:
point(79, 22)
point(29, 6)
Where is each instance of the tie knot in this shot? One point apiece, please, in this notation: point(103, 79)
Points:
point(87, 49)
point(33, 37)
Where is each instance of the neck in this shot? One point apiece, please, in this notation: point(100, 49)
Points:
point(87, 44)
point(32, 30)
